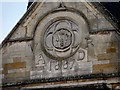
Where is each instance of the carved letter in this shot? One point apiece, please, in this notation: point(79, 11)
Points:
point(81, 55)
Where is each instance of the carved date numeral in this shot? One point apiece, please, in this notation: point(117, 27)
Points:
point(68, 64)
point(55, 65)
point(72, 63)
point(65, 65)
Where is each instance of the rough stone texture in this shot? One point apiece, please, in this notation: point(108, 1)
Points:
point(17, 75)
point(16, 59)
point(17, 56)
point(24, 58)
point(19, 33)
point(101, 68)
point(107, 56)
point(97, 21)
point(111, 50)
point(10, 66)
point(33, 19)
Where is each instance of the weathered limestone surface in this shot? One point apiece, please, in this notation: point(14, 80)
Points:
point(54, 41)
point(97, 21)
point(17, 60)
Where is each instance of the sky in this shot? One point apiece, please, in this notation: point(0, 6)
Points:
point(10, 14)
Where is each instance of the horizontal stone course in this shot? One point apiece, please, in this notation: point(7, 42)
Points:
point(100, 68)
point(111, 44)
point(16, 59)
point(17, 74)
point(107, 56)
point(110, 50)
point(115, 85)
point(10, 66)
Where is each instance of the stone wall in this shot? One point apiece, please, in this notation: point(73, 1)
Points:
point(24, 58)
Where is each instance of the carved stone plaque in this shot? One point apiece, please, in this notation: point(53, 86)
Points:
point(59, 46)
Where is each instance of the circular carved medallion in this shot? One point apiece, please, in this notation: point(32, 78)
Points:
point(60, 34)
point(60, 38)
